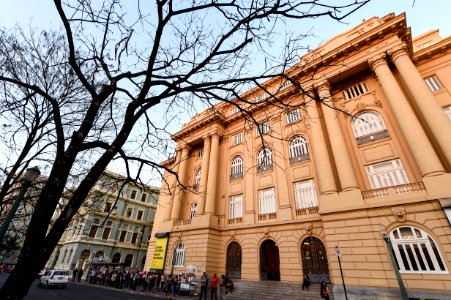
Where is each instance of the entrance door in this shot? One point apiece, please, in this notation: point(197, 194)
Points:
point(233, 266)
point(269, 261)
point(314, 260)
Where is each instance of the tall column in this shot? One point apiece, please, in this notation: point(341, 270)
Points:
point(175, 214)
point(210, 205)
point(172, 185)
point(204, 176)
point(424, 99)
point(341, 156)
point(414, 134)
point(323, 165)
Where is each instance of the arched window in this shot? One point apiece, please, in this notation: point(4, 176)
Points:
point(196, 182)
point(236, 171)
point(415, 251)
point(264, 159)
point(368, 126)
point(179, 255)
point(298, 149)
point(116, 258)
point(128, 260)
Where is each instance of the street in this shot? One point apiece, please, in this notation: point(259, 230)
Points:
point(76, 291)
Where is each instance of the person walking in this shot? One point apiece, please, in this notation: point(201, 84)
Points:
point(74, 275)
point(203, 286)
point(222, 287)
point(214, 287)
point(324, 291)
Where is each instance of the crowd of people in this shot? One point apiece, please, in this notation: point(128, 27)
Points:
point(155, 282)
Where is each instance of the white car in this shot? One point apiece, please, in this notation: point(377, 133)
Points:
point(54, 278)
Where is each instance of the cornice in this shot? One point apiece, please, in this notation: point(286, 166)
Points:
point(440, 48)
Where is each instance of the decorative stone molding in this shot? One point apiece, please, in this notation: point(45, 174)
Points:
point(308, 229)
point(377, 60)
point(266, 232)
point(233, 235)
point(323, 87)
point(179, 237)
point(398, 51)
point(399, 213)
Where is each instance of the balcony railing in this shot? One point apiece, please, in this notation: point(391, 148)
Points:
point(182, 222)
point(394, 190)
point(235, 221)
point(267, 216)
point(307, 211)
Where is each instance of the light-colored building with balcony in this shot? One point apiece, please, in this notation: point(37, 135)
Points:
point(354, 142)
point(112, 226)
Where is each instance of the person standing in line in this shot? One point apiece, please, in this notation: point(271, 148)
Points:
point(306, 282)
point(203, 286)
point(324, 291)
point(222, 286)
point(214, 287)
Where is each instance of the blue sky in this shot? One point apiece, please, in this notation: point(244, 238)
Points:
point(423, 16)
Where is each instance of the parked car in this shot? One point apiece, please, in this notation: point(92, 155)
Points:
point(42, 272)
point(54, 278)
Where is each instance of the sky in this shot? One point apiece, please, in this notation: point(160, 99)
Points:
point(422, 16)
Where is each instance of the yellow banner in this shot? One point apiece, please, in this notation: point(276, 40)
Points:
point(159, 253)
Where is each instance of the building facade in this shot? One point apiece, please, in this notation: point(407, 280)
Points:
point(113, 226)
point(352, 146)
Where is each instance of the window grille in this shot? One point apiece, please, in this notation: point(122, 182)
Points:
point(305, 194)
point(196, 182)
point(433, 84)
point(293, 116)
point(298, 147)
point(236, 207)
point(267, 201)
point(389, 173)
point(265, 158)
point(237, 138)
point(263, 128)
point(192, 212)
point(355, 90)
point(236, 169)
point(415, 251)
point(179, 255)
point(368, 126)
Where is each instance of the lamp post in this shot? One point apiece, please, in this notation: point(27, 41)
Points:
point(384, 234)
point(30, 175)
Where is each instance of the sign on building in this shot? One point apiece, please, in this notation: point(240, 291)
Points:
point(159, 253)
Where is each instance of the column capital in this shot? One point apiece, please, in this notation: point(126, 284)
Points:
point(322, 86)
point(216, 133)
point(398, 51)
point(183, 147)
point(377, 60)
point(206, 138)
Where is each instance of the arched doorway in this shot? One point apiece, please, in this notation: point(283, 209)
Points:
point(128, 260)
point(314, 260)
point(269, 261)
point(233, 264)
point(116, 258)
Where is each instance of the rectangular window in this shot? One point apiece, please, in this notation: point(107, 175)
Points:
point(129, 212)
point(234, 110)
point(389, 173)
point(236, 207)
point(267, 201)
point(140, 215)
point(200, 153)
point(355, 90)
point(134, 236)
point(261, 97)
point(237, 138)
point(179, 257)
point(192, 212)
point(305, 194)
point(123, 235)
point(106, 233)
point(293, 116)
point(144, 197)
point(107, 207)
point(93, 231)
point(263, 128)
point(433, 84)
point(133, 194)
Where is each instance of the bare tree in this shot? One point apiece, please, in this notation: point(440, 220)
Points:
point(136, 62)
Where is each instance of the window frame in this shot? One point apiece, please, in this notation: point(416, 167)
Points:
point(305, 194)
point(262, 128)
point(133, 194)
point(368, 126)
point(197, 179)
point(267, 202)
point(178, 256)
point(293, 116)
point(236, 167)
point(264, 159)
point(355, 90)
point(237, 138)
point(433, 83)
point(298, 149)
point(378, 179)
point(236, 207)
point(413, 249)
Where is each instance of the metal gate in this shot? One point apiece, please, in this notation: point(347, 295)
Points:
point(314, 260)
point(233, 265)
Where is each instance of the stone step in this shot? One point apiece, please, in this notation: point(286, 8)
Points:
point(273, 290)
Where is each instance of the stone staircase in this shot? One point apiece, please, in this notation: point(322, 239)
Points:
point(273, 290)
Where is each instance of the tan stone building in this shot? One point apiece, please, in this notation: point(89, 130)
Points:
point(363, 148)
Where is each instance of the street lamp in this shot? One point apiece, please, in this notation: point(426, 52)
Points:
point(30, 175)
point(384, 234)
